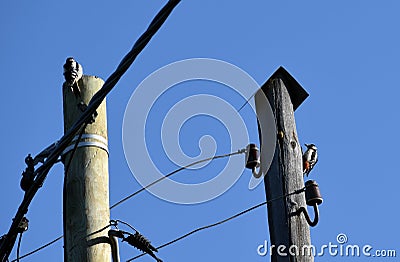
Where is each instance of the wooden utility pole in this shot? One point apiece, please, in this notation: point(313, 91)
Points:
point(86, 197)
point(289, 232)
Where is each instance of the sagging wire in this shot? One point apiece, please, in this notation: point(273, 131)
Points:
point(115, 223)
point(59, 238)
point(222, 221)
point(41, 173)
point(241, 151)
point(39, 248)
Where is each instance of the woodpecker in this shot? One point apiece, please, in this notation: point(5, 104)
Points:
point(310, 158)
point(73, 71)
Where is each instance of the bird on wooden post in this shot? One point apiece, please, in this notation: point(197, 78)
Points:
point(310, 158)
point(73, 71)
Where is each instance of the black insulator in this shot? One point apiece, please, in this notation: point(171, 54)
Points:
point(313, 195)
point(140, 242)
point(252, 156)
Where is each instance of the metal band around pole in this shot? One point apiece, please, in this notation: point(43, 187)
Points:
point(99, 142)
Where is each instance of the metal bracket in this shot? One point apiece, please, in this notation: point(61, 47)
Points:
point(316, 215)
point(99, 142)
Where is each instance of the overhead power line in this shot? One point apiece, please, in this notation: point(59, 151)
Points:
point(174, 172)
point(41, 173)
point(141, 190)
point(113, 223)
point(247, 101)
point(39, 248)
point(221, 221)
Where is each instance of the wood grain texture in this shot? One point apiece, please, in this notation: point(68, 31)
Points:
point(285, 176)
point(86, 189)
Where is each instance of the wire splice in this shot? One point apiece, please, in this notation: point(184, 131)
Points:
point(140, 242)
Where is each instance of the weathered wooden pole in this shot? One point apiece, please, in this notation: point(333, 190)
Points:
point(86, 196)
point(289, 232)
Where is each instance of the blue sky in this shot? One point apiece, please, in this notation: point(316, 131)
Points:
point(344, 53)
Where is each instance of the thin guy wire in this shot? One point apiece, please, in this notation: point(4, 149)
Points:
point(172, 173)
point(75, 148)
point(177, 239)
point(247, 101)
point(19, 246)
point(57, 239)
point(40, 248)
point(221, 221)
point(137, 192)
point(126, 224)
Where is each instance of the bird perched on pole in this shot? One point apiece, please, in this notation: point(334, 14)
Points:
point(73, 71)
point(310, 158)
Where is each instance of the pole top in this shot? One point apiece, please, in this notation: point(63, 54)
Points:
point(296, 91)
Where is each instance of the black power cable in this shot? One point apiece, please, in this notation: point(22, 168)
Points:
point(115, 222)
point(41, 173)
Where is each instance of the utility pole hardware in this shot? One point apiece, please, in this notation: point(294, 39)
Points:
point(86, 190)
point(289, 231)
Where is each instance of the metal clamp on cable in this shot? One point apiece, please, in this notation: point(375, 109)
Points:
point(96, 141)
